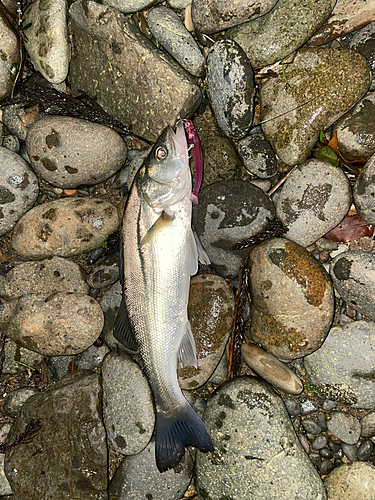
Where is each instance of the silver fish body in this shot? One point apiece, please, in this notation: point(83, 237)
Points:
point(159, 256)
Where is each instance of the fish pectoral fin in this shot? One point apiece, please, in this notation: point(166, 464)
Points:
point(192, 255)
point(187, 354)
point(158, 226)
point(122, 329)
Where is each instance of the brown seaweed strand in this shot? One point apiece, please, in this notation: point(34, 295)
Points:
point(31, 429)
point(3, 338)
point(239, 334)
point(275, 228)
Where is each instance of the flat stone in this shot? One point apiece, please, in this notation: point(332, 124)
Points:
point(364, 192)
point(333, 79)
point(129, 6)
point(344, 426)
point(64, 227)
point(368, 425)
point(292, 299)
point(139, 85)
point(10, 58)
point(352, 482)
point(258, 156)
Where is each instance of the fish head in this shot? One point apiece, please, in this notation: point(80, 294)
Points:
point(165, 176)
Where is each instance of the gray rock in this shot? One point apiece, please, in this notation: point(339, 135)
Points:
point(350, 451)
point(64, 227)
point(17, 119)
point(292, 299)
point(12, 143)
point(284, 29)
point(364, 192)
point(47, 38)
point(46, 276)
point(9, 62)
point(13, 400)
point(58, 366)
point(229, 212)
point(110, 303)
point(319, 442)
point(311, 426)
point(5, 488)
point(91, 358)
point(149, 97)
point(365, 450)
point(313, 200)
point(128, 6)
point(368, 424)
point(67, 152)
point(71, 443)
point(258, 156)
point(210, 312)
point(18, 359)
point(307, 407)
point(178, 4)
point(170, 32)
point(341, 369)
point(18, 189)
point(345, 427)
point(230, 81)
point(128, 410)
point(215, 15)
point(137, 477)
point(253, 438)
point(294, 121)
point(106, 273)
point(363, 41)
point(292, 407)
point(353, 274)
point(352, 482)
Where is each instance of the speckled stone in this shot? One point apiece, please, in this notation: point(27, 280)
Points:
point(13, 400)
point(106, 273)
point(128, 6)
point(19, 189)
point(210, 312)
point(64, 227)
point(128, 410)
point(364, 192)
point(230, 81)
point(170, 32)
point(368, 425)
point(229, 212)
point(253, 438)
point(353, 276)
point(17, 358)
point(284, 29)
point(363, 41)
point(342, 368)
point(216, 15)
point(313, 200)
point(292, 299)
point(333, 79)
point(258, 156)
point(353, 482)
point(10, 50)
point(271, 369)
point(344, 426)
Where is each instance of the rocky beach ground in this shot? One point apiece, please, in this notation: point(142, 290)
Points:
point(281, 95)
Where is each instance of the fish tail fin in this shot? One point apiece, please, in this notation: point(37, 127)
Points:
point(175, 431)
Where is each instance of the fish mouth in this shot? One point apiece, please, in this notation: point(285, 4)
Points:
point(176, 139)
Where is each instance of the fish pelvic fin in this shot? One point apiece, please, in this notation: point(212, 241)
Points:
point(174, 431)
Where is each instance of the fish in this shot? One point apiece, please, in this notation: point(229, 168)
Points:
point(159, 255)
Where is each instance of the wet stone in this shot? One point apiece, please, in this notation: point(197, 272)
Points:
point(353, 274)
point(292, 299)
point(333, 79)
point(365, 450)
point(17, 358)
point(19, 189)
point(363, 41)
point(368, 425)
point(325, 453)
point(344, 426)
point(258, 156)
point(230, 83)
point(13, 401)
point(17, 119)
point(352, 482)
point(230, 212)
point(364, 192)
point(10, 51)
point(210, 312)
point(313, 200)
point(106, 273)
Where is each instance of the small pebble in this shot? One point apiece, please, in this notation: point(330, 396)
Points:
point(335, 447)
point(293, 408)
point(70, 192)
point(344, 427)
point(319, 442)
point(325, 453)
point(325, 467)
point(315, 458)
point(311, 426)
point(350, 451)
point(365, 450)
point(329, 405)
point(322, 421)
point(368, 425)
point(14, 400)
point(304, 442)
point(307, 407)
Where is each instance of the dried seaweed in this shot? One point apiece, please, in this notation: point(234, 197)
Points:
point(31, 429)
point(274, 229)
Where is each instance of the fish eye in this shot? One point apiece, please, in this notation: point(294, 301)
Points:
point(160, 153)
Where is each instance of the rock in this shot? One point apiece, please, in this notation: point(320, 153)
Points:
point(9, 62)
point(230, 82)
point(341, 369)
point(352, 482)
point(353, 275)
point(128, 411)
point(307, 407)
point(110, 303)
point(71, 443)
point(363, 41)
point(368, 424)
point(253, 438)
point(356, 130)
point(17, 358)
point(149, 97)
point(13, 400)
point(215, 15)
point(58, 366)
point(311, 426)
point(47, 38)
point(67, 152)
point(129, 6)
point(64, 227)
point(91, 358)
point(363, 192)
point(258, 156)
point(106, 273)
point(18, 119)
point(271, 369)
point(283, 30)
point(319, 442)
point(12, 143)
point(178, 4)
point(229, 212)
point(137, 477)
point(43, 277)
point(170, 32)
point(19, 189)
point(293, 408)
point(210, 312)
point(334, 80)
point(61, 324)
point(365, 450)
point(292, 299)
point(344, 427)
point(313, 200)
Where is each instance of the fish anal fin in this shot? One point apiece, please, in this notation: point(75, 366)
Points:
point(122, 329)
point(158, 226)
point(187, 353)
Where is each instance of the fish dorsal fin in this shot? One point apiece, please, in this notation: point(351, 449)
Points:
point(187, 354)
point(122, 329)
point(158, 226)
point(192, 255)
point(202, 255)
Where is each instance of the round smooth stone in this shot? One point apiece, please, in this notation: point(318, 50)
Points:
point(292, 299)
point(311, 427)
point(364, 192)
point(64, 227)
point(352, 482)
point(345, 427)
point(258, 156)
point(10, 50)
point(67, 152)
point(19, 189)
point(271, 369)
point(350, 451)
point(365, 450)
point(368, 424)
point(313, 200)
point(319, 442)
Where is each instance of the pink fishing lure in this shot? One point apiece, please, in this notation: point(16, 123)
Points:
point(196, 152)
